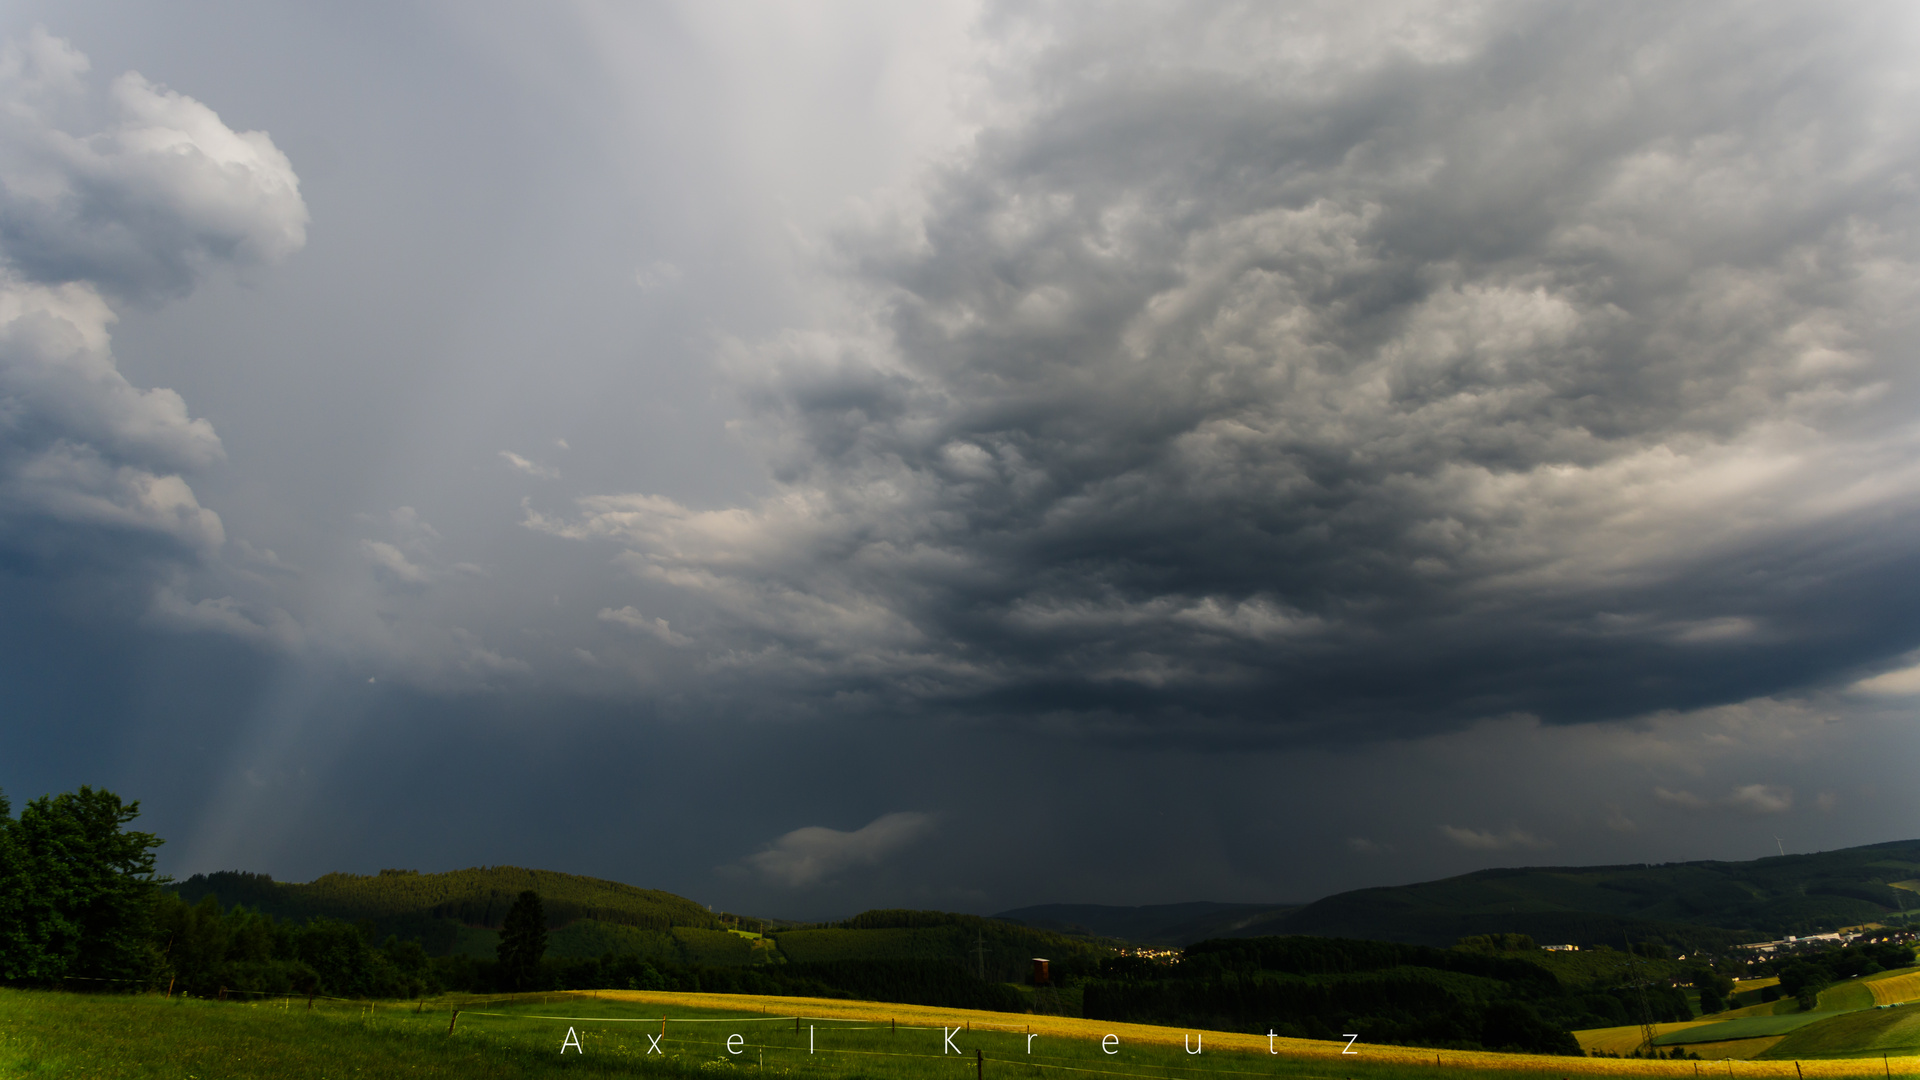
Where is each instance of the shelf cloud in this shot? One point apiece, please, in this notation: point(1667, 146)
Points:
point(1327, 385)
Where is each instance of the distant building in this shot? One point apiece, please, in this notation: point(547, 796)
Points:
point(1792, 944)
point(1560, 948)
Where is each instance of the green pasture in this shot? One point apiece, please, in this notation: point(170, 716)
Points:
point(47, 1034)
point(1866, 1033)
point(1745, 1027)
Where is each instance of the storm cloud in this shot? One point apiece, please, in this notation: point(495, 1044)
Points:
point(1340, 376)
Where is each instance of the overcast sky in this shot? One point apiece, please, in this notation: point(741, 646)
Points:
point(818, 456)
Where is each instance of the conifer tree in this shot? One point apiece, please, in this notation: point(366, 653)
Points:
point(523, 941)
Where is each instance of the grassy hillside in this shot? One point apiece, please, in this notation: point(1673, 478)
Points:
point(112, 1036)
point(1867, 1033)
point(442, 910)
point(1701, 904)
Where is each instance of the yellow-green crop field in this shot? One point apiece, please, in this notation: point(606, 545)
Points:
point(583, 1034)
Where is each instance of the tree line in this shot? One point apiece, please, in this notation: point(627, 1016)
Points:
point(81, 907)
point(1320, 988)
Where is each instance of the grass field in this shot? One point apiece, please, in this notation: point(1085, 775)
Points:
point(1627, 1039)
point(1874, 1031)
point(713, 948)
point(1845, 1024)
point(64, 1035)
point(1746, 1027)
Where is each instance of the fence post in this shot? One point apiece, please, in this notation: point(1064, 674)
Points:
point(979, 1064)
point(455, 1019)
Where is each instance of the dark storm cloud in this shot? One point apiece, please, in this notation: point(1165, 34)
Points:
point(1314, 371)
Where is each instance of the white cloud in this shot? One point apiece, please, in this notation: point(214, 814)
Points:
point(480, 661)
point(138, 209)
point(1686, 800)
point(143, 206)
point(657, 275)
point(528, 468)
point(409, 559)
point(393, 563)
point(1617, 820)
point(1483, 840)
point(631, 618)
point(225, 615)
point(1901, 682)
point(813, 854)
point(1749, 798)
point(1761, 799)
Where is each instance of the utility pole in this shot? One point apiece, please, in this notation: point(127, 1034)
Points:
point(1646, 1011)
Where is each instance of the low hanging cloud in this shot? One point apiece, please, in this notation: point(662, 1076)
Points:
point(527, 467)
point(1484, 840)
point(1277, 371)
point(1747, 798)
point(1900, 682)
point(631, 618)
point(136, 210)
point(814, 854)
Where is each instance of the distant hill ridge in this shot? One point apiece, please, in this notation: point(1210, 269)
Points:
point(1152, 924)
point(1703, 903)
point(1699, 904)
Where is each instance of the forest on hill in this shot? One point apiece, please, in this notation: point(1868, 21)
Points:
point(431, 908)
point(1693, 906)
point(1489, 994)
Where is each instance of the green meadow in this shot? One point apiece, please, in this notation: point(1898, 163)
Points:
point(51, 1034)
point(1868, 1032)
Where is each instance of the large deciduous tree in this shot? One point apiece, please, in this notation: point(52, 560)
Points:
point(523, 940)
point(76, 891)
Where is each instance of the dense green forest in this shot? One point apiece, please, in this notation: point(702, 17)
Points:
point(233, 951)
point(1149, 924)
point(433, 908)
point(1467, 998)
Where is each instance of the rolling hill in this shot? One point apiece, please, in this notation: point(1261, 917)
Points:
point(1703, 904)
point(460, 910)
point(1153, 924)
point(1690, 905)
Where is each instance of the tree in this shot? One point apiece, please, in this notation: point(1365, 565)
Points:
point(76, 891)
point(523, 940)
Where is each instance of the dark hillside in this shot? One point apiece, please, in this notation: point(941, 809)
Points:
point(1153, 924)
point(1319, 988)
point(1700, 905)
point(988, 948)
point(431, 908)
